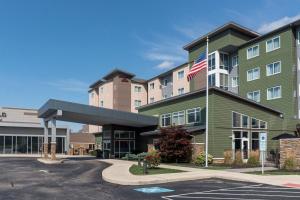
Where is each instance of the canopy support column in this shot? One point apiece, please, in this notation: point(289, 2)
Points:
point(53, 139)
point(45, 145)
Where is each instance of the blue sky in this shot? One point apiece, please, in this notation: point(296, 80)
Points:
point(56, 48)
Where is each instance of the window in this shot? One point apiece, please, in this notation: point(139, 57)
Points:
point(254, 123)
point(137, 89)
point(92, 95)
point(298, 37)
point(252, 52)
point(178, 118)
point(212, 80)
point(180, 74)
point(235, 61)
point(224, 81)
point(101, 90)
point(253, 74)
point(165, 120)
point(255, 95)
point(245, 121)
point(274, 93)
point(151, 99)
point(273, 44)
point(165, 82)
point(255, 141)
point(180, 91)
point(224, 60)
point(211, 62)
point(101, 104)
point(273, 68)
point(262, 124)
point(236, 120)
point(152, 86)
point(165, 96)
point(193, 115)
point(234, 81)
point(137, 103)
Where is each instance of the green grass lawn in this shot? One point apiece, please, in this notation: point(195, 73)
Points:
point(214, 167)
point(136, 170)
point(276, 172)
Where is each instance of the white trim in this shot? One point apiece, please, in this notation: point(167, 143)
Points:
point(161, 116)
point(268, 98)
point(237, 79)
point(181, 71)
point(252, 74)
point(257, 45)
point(253, 95)
point(267, 74)
point(272, 39)
point(187, 115)
point(178, 116)
point(237, 57)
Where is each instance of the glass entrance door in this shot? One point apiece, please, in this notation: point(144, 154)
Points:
point(241, 143)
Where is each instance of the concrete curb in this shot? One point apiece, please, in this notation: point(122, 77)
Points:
point(49, 162)
point(118, 173)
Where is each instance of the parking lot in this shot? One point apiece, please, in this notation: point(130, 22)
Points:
point(27, 179)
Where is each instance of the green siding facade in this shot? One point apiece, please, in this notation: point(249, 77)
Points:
point(287, 79)
point(220, 118)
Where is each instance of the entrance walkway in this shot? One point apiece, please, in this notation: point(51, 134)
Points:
point(118, 173)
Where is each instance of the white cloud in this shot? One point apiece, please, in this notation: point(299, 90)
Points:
point(71, 85)
point(267, 27)
point(166, 65)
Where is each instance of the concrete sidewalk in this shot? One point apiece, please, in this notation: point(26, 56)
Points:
point(118, 173)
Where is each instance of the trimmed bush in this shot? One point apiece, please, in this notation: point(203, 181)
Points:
point(238, 160)
point(130, 157)
point(200, 159)
point(228, 157)
point(290, 164)
point(153, 159)
point(253, 160)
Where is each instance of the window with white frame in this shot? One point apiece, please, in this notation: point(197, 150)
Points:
point(101, 103)
point(224, 61)
point(137, 89)
point(178, 118)
point(253, 52)
point(234, 81)
point(255, 95)
point(137, 103)
point(224, 81)
point(152, 86)
point(180, 75)
point(165, 120)
point(273, 68)
point(244, 121)
point(101, 90)
point(151, 99)
point(180, 91)
point(236, 120)
point(273, 44)
point(212, 80)
point(211, 61)
point(165, 82)
point(274, 93)
point(92, 95)
point(235, 61)
point(253, 74)
point(193, 115)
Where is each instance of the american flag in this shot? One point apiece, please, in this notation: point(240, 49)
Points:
point(199, 64)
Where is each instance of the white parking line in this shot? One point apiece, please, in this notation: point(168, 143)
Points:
point(239, 191)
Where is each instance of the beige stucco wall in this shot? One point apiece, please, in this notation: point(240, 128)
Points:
point(107, 96)
point(19, 115)
point(156, 92)
point(180, 83)
point(138, 95)
point(94, 98)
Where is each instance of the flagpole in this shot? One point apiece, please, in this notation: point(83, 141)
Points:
point(206, 120)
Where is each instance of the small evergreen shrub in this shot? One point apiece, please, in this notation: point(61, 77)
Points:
point(200, 159)
point(153, 159)
point(228, 157)
point(238, 160)
point(253, 160)
point(290, 164)
point(130, 157)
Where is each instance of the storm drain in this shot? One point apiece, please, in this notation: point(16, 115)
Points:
point(151, 190)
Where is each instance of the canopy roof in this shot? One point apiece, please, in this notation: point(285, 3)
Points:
point(85, 114)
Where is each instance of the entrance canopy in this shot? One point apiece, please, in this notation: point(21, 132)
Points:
point(85, 114)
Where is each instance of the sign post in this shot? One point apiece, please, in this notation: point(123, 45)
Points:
point(262, 149)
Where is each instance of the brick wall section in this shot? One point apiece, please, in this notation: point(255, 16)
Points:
point(197, 148)
point(288, 148)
